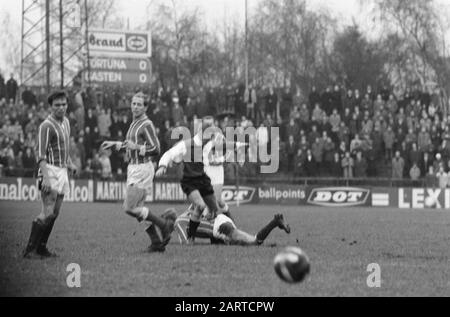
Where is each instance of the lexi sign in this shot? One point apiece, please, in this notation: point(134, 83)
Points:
point(114, 43)
point(416, 198)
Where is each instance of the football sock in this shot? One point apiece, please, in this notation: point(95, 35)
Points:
point(264, 233)
point(155, 238)
point(49, 223)
point(192, 229)
point(37, 230)
point(158, 221)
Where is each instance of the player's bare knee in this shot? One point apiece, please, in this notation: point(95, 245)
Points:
point(50, 218)
point(49, 202)
point(135, 198)
point(125, 207)
point(128, 206)
point(49, 199)
point(41, 216)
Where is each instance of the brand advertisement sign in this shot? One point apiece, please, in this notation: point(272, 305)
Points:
point(241, 195)
point(116, 43)
point(168, 192)
point(283, 194)
point(422, 198)
point(26, 189)
point(339, 197)
point(119, 57)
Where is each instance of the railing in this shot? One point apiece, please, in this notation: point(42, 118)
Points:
point(260, 179)
point(340, 182)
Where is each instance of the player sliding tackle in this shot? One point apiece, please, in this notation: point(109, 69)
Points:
point(195, 182)
point(142, 147)
point(223, 230)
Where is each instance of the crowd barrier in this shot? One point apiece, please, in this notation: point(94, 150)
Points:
point(26, 189)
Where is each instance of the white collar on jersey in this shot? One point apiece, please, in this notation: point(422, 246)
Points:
point(198, 140)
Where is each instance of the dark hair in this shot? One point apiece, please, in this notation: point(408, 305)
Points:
point(57, 95)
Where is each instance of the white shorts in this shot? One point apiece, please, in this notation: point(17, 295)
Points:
point(220, 220)
point(216, 174)
point(141, 176)
point(59, 179)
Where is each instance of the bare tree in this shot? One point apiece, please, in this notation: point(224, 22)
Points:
point(287, 41)
point(10, 43)
point(419, 30)
point(179, 37)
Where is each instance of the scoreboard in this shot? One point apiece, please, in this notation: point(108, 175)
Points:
point(119, 57)
point(113, 70)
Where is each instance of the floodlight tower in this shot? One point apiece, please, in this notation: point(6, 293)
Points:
point(35, 42)
point(246, 45)
point(52, 42)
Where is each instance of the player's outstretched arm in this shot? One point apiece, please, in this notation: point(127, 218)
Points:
point(113, 145)
point(175, 154)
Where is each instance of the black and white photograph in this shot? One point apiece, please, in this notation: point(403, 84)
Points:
point(224, 155)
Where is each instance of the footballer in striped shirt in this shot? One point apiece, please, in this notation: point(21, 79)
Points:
point(143, 148)
point(54, 163)
point(222, 230)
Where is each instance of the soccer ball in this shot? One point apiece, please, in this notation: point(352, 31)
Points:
point(292, 265)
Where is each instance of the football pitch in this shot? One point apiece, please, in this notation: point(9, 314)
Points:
point(412, 249)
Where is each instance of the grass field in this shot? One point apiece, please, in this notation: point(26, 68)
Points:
point(411, 247)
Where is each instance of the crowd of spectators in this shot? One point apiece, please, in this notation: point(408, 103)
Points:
point(330, 133)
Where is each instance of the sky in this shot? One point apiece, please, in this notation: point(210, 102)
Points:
point(216, 11)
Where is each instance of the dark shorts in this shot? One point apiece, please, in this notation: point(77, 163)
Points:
point(202, 184)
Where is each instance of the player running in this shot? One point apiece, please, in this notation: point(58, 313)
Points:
point(223, 230)
point(195, 183)
point(54, 165)
point(142, 147)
